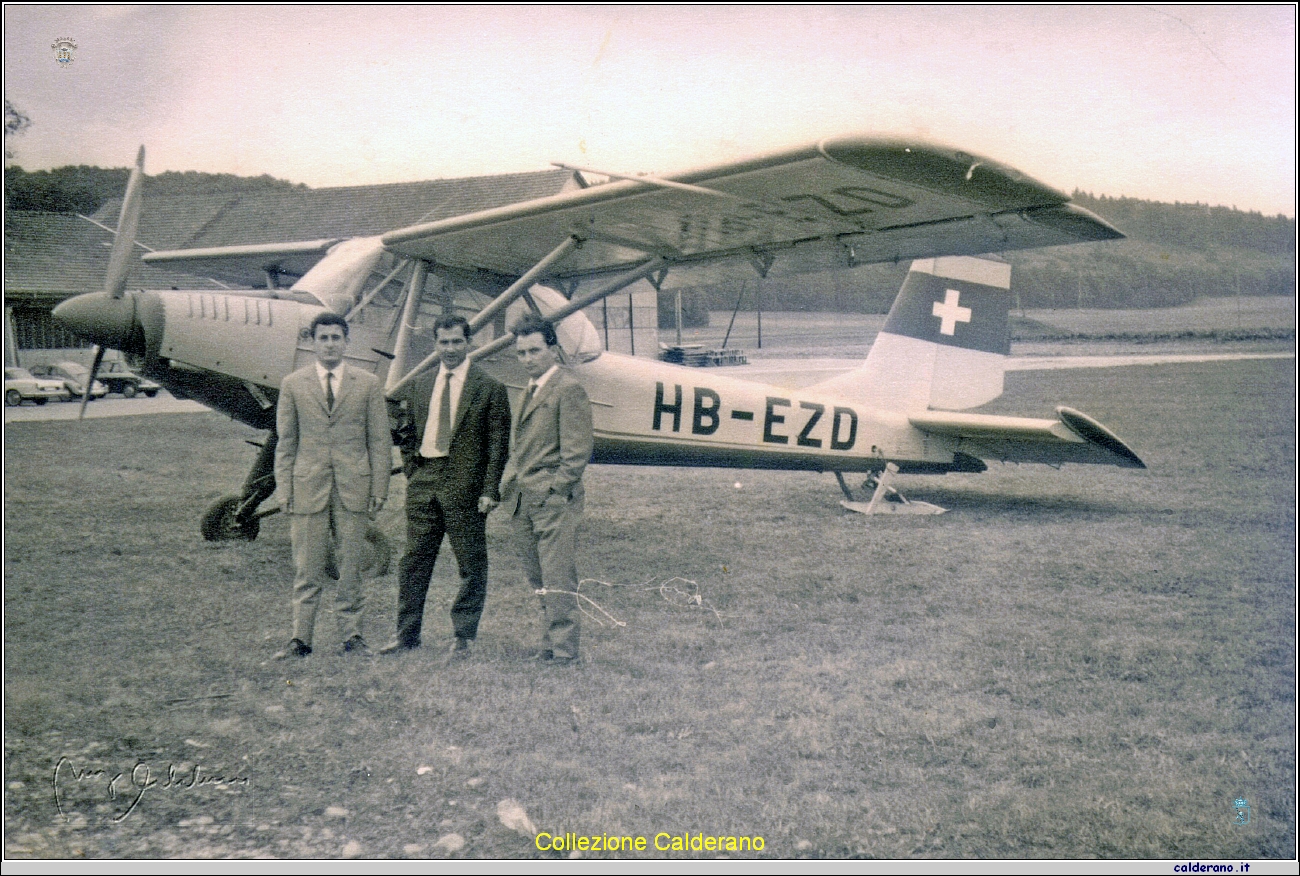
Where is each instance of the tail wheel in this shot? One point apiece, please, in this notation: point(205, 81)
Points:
point(219, 523)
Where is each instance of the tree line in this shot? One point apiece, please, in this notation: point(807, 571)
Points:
point(1173, 253)
point(82, 189)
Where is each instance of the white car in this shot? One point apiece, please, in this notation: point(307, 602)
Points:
point(74, 377)
point(20, 385)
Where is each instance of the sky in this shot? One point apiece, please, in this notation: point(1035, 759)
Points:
point(1168, 103)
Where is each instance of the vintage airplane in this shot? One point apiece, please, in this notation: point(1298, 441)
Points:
point(837, 203)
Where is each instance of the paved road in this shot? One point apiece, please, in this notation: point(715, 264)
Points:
point(111, 406)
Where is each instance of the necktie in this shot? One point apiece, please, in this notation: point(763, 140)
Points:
point(329, 390)
point(443, 441)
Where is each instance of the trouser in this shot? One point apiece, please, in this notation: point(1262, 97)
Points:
point(428, 518)
point(546, 535)
point(311, 546)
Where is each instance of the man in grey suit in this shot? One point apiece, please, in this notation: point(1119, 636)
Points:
point(550, 444)
point(454, 436)
point(333, 459)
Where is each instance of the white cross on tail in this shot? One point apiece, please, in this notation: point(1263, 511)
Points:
point(950, 313)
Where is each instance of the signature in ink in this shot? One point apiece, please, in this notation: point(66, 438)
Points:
point(129, 787)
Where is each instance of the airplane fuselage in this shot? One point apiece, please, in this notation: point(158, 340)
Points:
point(231, 350)
point(653, 413)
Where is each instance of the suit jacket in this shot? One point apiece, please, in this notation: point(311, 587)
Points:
point(480, 437)
point(551, 442)
point(349, 447)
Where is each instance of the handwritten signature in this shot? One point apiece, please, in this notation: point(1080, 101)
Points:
point(130, 787)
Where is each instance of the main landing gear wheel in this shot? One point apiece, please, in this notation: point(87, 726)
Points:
point(219, 523)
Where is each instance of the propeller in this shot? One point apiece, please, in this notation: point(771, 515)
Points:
point(119, 259)
point(90, 381)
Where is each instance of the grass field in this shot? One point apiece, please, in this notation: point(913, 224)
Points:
point(1078, 663)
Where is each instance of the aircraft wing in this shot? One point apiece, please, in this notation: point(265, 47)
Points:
point(1073, 437)
point(837, 203)
point(245, 263)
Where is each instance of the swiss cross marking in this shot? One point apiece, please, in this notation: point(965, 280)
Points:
point(950, 313)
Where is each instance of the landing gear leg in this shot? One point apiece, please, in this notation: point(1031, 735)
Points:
point(237, 517)
point(884, 498)
point(233, 518)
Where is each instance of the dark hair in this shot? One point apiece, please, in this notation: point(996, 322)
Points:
point(328, 317)
point(450, 322)
point(532, 324)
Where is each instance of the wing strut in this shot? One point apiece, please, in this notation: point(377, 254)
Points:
point(640, 272)
point(520, 287)
point(370, 296)
point(410, 310)
point(483, 317)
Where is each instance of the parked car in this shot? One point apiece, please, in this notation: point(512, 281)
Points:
point(21, 385)
point(74, 378)
point(118, 378)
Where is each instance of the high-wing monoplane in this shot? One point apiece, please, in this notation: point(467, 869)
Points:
point(837, 203)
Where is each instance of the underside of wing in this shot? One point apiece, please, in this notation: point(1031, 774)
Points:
point(1072, 437)
point(834, 204)
point(246, 264)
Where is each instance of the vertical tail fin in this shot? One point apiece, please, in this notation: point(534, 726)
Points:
point(944, 342)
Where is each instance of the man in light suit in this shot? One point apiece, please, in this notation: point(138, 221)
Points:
point(455, 433)
point(333, 459)
point(550, 444)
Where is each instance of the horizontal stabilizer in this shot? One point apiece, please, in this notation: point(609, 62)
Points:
point(1072, 437)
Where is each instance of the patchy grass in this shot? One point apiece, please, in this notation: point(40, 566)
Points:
point(1083, 663)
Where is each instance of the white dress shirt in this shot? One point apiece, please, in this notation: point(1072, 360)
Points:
point(337, 371)
point(429, 446)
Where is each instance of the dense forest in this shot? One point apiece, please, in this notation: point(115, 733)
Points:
point(1173, 254)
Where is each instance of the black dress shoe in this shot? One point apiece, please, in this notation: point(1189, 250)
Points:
point(295, 648)
point(397, 647)
point(561, 661)
point(356, 645)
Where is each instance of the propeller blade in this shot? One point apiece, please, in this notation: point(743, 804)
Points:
point(90, 381)
point(119, 259)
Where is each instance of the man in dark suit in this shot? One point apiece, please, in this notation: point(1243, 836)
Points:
point(333, 460)
point(550, 445)
point(455, 434)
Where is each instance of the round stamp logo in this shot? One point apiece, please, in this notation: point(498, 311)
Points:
point(63, 48)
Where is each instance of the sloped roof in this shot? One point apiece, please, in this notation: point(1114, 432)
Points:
point(309, 214)
point(54, 256)
point(50, 256)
